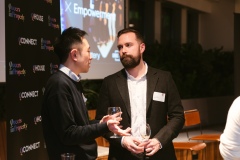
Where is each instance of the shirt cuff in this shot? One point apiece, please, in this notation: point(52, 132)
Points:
point(159, 143)
point(122, 141)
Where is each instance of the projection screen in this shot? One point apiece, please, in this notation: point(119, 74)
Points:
point(101, 19)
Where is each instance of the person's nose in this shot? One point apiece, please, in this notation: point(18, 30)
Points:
point(124, 50)
point(90, 56)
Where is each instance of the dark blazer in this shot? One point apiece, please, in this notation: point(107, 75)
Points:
point(165, 118)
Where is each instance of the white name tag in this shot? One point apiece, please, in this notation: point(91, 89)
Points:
point(158, 96)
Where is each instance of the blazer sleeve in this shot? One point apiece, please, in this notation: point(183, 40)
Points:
point(174, 112)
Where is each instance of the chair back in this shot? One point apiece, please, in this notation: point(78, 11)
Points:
point(192, 118)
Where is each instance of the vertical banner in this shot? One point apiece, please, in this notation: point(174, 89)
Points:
point(31, 28)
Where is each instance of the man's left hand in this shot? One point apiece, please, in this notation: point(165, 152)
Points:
point(152, 146)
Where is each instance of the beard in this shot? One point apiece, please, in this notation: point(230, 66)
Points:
point(129, 61)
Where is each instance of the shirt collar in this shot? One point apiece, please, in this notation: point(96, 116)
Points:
point(69, 73)
point(132, 78)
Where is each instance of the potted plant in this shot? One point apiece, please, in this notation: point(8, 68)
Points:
point(91, 92)
point(197, 72)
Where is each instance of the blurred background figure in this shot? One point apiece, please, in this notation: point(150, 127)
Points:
point(229, 140)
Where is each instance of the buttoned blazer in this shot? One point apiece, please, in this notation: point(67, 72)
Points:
point(166, 118)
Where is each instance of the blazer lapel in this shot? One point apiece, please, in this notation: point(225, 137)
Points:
point(151, 83)
point(121, 82)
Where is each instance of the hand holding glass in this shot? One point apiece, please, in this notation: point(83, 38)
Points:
point(112, 111)
point(145, 132)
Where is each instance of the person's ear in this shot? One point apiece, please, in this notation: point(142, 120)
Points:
point(142, 47)
point(73, 54)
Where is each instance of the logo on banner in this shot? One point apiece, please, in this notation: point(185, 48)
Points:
point(46, 44)
point(52, 22)
point(53, 68)
point(29, 94)
point(38, 68)
point(17, 126)
point(29, 148)
point(37, 119)
point(15, 69)
point(14, 12)
point(36, 17)
point(28, 41)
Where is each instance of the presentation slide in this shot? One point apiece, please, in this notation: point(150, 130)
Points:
point(101, 19)
point(2, 43)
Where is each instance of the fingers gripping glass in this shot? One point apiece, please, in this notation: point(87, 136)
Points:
point(145, 132)
point(111, 111)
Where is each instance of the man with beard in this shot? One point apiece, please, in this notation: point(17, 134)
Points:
point(145, 95)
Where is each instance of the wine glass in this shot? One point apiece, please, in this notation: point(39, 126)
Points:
point(145, 132)
point(111, 111)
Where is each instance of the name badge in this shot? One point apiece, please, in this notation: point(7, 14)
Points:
point(158, 96)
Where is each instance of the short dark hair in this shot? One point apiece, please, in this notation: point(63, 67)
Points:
point(64, 42)
point(128, 30)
